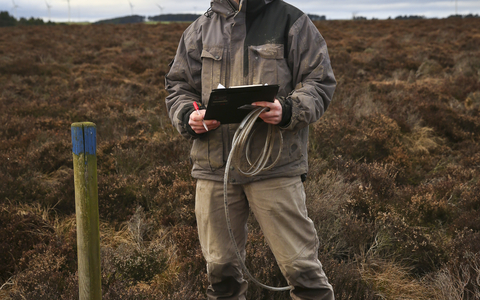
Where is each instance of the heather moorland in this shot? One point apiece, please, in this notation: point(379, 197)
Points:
point(393, 186)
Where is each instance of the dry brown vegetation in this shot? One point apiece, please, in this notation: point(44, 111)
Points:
point(394, 182)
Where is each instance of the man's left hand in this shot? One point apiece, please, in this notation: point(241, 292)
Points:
point(274, 115)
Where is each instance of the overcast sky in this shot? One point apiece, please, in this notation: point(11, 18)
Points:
point(94, 10)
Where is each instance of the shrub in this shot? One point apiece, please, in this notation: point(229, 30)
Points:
point(29, 230)
point(137, 264)
point(45, 278)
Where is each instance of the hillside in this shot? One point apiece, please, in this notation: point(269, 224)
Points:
point(393, 186)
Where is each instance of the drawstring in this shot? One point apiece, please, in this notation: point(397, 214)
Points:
point(209, 13)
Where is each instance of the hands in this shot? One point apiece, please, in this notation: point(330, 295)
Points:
point(196, 123)
point(274, 115)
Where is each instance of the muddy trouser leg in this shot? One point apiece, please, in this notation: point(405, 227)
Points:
point(224, 271)
point(279, 207)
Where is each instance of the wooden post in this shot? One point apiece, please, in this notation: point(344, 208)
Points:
point(84, 148)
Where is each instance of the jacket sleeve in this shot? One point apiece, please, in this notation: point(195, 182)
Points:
point(183, 83)
point(312, 74)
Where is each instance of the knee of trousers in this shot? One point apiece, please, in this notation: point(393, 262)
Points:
point(220, 271)
point(305, 273)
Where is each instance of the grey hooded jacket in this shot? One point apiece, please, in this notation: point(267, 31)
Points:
point(258, 41)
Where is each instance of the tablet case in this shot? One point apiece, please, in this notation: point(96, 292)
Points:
point(231, 105)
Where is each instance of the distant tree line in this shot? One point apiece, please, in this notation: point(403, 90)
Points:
point(193, 17)
point(464, 16)
point(415, 17)
point(317, 17)
point(359, 18)
point(7, 20)
point(412, 17)
point(175, 18)
point(123, 20)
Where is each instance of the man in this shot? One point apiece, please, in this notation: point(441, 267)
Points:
point(240, 42)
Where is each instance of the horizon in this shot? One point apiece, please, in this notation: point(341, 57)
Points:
point(92, 11)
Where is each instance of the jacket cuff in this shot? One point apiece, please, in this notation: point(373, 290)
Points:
point(286, 111)
point(184, 117)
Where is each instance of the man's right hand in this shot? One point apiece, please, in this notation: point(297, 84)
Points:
point(196, 123)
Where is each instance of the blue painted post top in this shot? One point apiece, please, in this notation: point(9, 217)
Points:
point(84, 138)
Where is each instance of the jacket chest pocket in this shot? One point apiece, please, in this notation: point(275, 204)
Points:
point(267, 64)
point(212, 70)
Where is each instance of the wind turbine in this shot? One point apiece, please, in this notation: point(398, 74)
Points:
point(456, 7)
point(131, 7)
point(354, 15)
point(161, 9)
point(48, 8)
point(15, 6)
point(68, 10)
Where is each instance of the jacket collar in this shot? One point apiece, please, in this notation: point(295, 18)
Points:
point(224, 7)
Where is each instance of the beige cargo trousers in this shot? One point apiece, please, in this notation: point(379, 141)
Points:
point(279, 207)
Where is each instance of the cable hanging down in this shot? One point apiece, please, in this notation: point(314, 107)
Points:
point(241, 140)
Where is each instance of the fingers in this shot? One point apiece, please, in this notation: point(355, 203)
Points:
point(211, 125)
point(196, 123)
point(274, 115)
point(197, 116)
